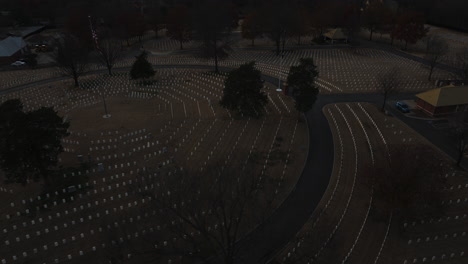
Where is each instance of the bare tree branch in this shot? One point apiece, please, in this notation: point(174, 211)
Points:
point(71, 57)
point(436, 49)
point(460, 62)
point(389, 83)
point(459, 132)
point(110, 51)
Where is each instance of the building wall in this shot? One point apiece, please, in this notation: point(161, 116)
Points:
point(444, 110)
point(428, 108)
point(11, 59)
point(439, 111)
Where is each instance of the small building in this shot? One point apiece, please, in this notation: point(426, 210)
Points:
point(336, 35)
point(444, 100)
point(11, 49)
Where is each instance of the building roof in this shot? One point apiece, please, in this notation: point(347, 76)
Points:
point(336, 33)
point(445, 96)
point(11, 45)
point(22, 31)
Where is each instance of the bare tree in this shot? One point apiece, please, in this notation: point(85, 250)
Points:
point(204, 212)
point(250, 27)
point(178, 25)
point(389, 83)
point(407, 182)
point(71, 57)
point(460, 63)
point(409, 28)
point(300, 24)
point(436, 49)
point(110, 51)
point(374, 16)
point(213, 23)
point(276, 20)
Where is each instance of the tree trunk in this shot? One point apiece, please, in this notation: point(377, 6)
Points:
point(278, 46)
point(406, 45)
point(371, 33)
point(253, 42)
point(460, 158)
point(109, 69)
point(461, 151)
point(216, 57)
point(128, 42)
point(384, 102)
point(181, 45)
point(75, 78)
point(284, 44)
point(105, 105)
point(299, 40)
point(431, 70)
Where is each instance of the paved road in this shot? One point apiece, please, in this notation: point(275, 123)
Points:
point(261, 245)
point(265, 241)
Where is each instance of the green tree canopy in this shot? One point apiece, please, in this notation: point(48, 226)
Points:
point(30, 142)
point(243, 91)
point(301, 80)
point(141, 68)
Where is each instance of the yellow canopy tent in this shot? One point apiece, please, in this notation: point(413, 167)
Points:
point(336, 34)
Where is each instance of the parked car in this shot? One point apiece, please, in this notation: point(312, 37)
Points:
point(18, 63)
point(41, 48)
point(402, 107)
point(71, 189)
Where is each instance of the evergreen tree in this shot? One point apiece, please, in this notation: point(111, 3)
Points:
point(301, 80)
point(141, 68)
point(243, 91)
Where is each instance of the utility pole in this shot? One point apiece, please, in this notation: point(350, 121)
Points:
point(279, 73)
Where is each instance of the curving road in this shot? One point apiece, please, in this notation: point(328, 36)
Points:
point(264, 242)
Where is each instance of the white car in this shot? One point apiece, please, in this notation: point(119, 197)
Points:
point(18, 63)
